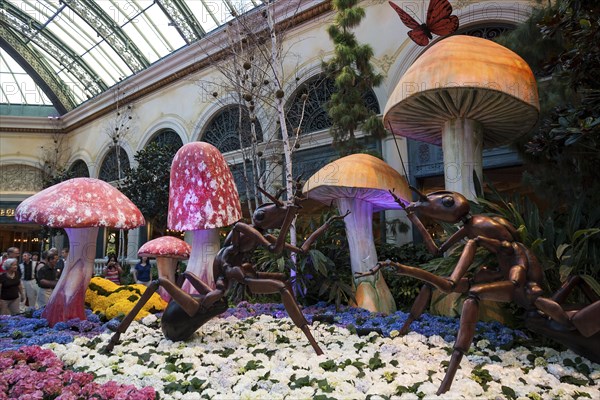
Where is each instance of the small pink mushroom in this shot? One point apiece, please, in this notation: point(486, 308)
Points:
point(167, 250)
point(202, 198)
point(80, 206)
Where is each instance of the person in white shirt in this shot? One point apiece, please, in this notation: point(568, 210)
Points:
point(27, 268)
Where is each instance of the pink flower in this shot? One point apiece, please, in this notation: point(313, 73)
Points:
point(36, 373)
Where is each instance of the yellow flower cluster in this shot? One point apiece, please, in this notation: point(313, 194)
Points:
point(110, 299)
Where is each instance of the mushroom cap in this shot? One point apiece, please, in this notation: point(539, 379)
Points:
point(465, 77)
point(360, 176)
point(80, 203)
point(202, 193)
point(166, 246)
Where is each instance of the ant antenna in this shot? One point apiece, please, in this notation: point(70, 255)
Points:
point(398, 149)
point(274, 199)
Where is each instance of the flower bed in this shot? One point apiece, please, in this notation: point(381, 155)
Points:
point(36, 373)
point(255, 351)
point(111, 300)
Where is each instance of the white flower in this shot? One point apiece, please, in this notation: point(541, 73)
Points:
point(255, 395)
point(149, 319)
point(252, 359)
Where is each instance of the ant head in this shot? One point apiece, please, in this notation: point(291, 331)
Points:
point(270, 215)
point(442, 205)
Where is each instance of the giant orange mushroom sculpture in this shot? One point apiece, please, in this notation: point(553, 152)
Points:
point(360, 183)
point(202, 198)
point(464, 93)
point(80, 206)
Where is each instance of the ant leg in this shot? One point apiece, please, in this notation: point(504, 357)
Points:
point(466, 331)
point(443, 284)
point(502, 291)
point(197, 283)
point(189, 304)
point(266, 286)
point(575, 281)
point(586, 320)
point(553, 310)
point(465, 260)
point(421, 302)
point(278, 276)
point(424, 299)
point(150, 290)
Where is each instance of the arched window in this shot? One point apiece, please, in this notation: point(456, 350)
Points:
point(317, 92)
point(486, 31)
point(114, 165)
point(227, 130)
point(79, 169)
point(167, 137)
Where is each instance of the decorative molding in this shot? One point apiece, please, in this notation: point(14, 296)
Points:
point(20, 178)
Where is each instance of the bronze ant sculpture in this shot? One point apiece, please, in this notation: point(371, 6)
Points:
point(516, 279)
point(186, 313)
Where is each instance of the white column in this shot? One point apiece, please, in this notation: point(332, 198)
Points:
point(132, 243)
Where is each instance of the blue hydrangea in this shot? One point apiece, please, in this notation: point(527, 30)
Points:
point(17, 331)
point(361, 319)
point(20, 330)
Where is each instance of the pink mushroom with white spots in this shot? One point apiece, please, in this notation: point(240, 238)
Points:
point(167, 250)
point(80, 206)
point(202, 198)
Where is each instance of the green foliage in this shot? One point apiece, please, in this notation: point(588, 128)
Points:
point(353, 75)
point(58, 176)
point(323, 274)
point(566, 240)
point(147, 185)
point(403, 288)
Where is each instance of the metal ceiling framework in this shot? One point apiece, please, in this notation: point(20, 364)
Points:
point(76, 49)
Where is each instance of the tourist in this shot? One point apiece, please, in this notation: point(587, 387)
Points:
point(14, 252)
point(113, 270)
point(27, 269)
point(46, 278)
point(60, 265)
point(11, 289)
point(142, 273)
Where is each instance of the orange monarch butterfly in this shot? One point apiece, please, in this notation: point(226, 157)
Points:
point(439, 21)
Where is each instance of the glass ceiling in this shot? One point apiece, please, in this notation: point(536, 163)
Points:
point(64, 52)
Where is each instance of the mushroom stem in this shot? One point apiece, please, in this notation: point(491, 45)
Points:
point(166, 269)
point(462, 144)
point(205, 245)
point(68, 297)
point(372, 293)
point(359, 230)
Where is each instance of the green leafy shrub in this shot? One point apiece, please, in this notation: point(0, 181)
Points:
point(403, 288)
point(323, 274)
